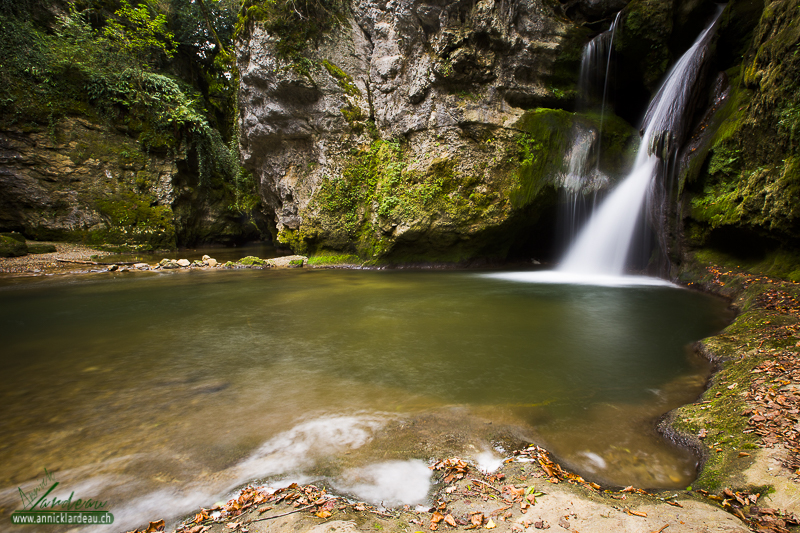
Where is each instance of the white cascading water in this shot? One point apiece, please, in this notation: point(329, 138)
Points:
point(583, 176)
point(603, 245)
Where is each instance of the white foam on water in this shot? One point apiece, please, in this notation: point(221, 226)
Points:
point(388, 484)
point(557, 277)
point(286, 455)
point(297, 447)
point(595, 459)
point(488, 461)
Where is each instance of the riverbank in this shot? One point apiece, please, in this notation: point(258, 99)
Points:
point(744, 427)
point(57, 262)
point(72, 258)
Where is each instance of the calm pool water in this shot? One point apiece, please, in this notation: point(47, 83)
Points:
point(161, 391)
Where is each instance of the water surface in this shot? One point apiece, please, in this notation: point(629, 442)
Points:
point(161, 391)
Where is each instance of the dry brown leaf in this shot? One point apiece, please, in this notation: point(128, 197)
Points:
point(323, 514)
point(450, 521)
point(158, 525)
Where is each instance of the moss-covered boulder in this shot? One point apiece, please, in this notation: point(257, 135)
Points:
point(41, 248)
point(747, 197)
point(11, 247)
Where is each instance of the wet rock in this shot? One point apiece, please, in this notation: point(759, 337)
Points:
point(183, 263)
point(113, 268)
point(141, 266)
point(211, 261)
point(289, 261)
point(206, 257)
point(168, 263)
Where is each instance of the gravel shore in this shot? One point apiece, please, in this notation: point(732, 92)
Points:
point(48, 263)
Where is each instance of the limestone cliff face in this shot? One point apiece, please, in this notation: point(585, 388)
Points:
point(85, 181)
point(410, 132)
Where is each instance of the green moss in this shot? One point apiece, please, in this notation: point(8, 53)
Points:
point(779, 263)
point(541, 148)
point(131, 218)
point(747, 342)
point(251, 260)
point(11, 247)
point(751, 177)
point(344, 79)
point(295, 25)
point(325, 258)
point(380, 191)
point(40, 248)
point(14, 235)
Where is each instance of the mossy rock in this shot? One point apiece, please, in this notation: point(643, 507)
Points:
point(11, 247)
point(40, 248)
point(252, 260)
point(14, 235)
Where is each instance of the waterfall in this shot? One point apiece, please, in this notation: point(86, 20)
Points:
point(583, 176)
point(603, 245)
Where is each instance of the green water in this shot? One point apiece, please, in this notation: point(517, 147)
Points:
point(164, 390)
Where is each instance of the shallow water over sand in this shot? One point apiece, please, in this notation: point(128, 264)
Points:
point(162, 391)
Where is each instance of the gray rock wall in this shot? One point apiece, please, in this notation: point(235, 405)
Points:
point(448, 80)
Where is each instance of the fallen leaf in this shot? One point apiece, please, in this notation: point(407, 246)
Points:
point(158, 525)
point(450, 521)
point(323, 514)
point(490, 524)
point(476, 519)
